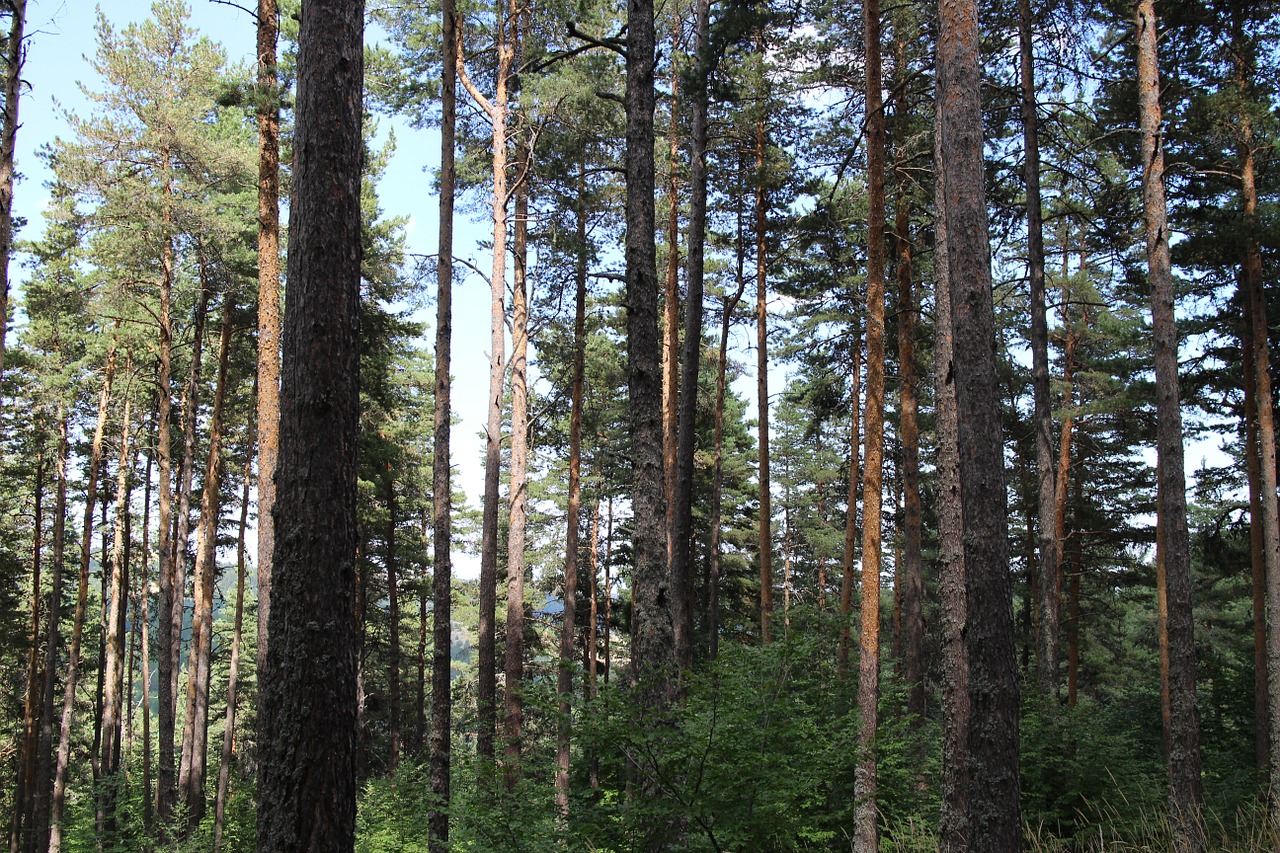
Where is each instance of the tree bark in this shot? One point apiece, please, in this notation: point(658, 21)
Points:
point(24, 788)
point(170, 593)
point(268, 403)
point(442, 512)
point(652, 640)
point(513, 694)
point(866, 836)
point(851, 512)
point(14, 60)
point(671, 324)
point(308, 776)
point(690, 362)
point(1186, 796)
point(991, 816)
point(393, 630)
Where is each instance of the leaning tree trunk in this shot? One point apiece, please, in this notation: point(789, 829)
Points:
point(983, 655)
point(1186, 795)
point(866, 836)
point(308, 793)
point(442, 531)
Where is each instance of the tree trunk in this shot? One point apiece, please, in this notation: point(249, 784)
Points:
point(1047, 645)
point(762, 385)
point(195, 740)
point(1186, 796)
point(690, 362)
point(671, 326)
point(990, 816)
point(170, 593)
point(268, 419)
point(1257, 560)
point(564, 677)
point(24, 789)
point(442, 515)
point(851, 512)
point(233, 674)
point(77, 631)
point(866, 837)
point(652, 640)
point(912, 526)
point(14, 60)
point(113, 699)
point(144, 590)
point(496, 110)
point(608, 592)
point(393, 628)
point(513, 698)
point(43, 783)
point(308, 792)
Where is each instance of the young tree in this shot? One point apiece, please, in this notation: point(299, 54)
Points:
point(308, 778)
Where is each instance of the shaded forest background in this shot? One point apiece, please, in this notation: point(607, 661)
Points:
point(803, 555)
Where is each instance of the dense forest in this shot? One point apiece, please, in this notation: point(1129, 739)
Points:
point(880, 447)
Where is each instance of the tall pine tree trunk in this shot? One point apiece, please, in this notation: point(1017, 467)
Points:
point(442, 513)
point(233, 673)
point(170, 593)
point(765, 543)
point(1186, 796)
point(308, 793)
point(866, 838)
point(393, 631)
point(23, 799)
point(982, 656)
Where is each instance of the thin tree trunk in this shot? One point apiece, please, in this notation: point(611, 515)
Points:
point(912, 526)
point(851, 513)
point(1073, 605)
point(420, 705)
point(564, 677)
point(682, 529)
point(717, 471)
point(113, 698)
point(144, 589)
point(268, 402)
point(77, 631)
point(496, 110)
point(43, 784)
point(14, 59)
point(1062, 480)
point(991, 815)
point(1047, 646)
point(513, 694)
point(393, 629)
point(195, 740)
point(308, 787)
point(233, 673)
point(442, 514)
point(608, 593)
point(170, 593)
point(23, 799)
point(765, 544)
point(1186, 795)
point(1257, 560)
point(671, 323)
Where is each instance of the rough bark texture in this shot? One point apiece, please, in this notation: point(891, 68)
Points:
point(1047, 642)
point(652, 649)
point(308, 775)
point(866, 836)
point(991, 817)
point(1186, 796)
point(441, 481)
point(671, 325)
point(13, 60)
point(690, 361)
point(268, 310)
point(170, 594)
